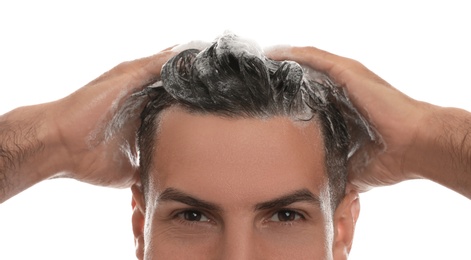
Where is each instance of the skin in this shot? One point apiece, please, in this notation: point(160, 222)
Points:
point(43, 141)
point(419, 140)
point(65, 138)
point(219, 188)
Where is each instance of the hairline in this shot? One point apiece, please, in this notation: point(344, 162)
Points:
point(157, 124)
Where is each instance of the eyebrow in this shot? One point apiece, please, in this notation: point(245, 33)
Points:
point(172, 194)
point(302, 195)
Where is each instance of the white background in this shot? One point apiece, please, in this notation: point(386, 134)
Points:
point(48, 49)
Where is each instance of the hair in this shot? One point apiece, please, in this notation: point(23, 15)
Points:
point(230, 78)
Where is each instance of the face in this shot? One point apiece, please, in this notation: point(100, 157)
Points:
point(223, 188)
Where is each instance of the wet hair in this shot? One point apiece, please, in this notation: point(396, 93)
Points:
point(232, 79)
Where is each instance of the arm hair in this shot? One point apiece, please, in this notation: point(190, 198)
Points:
point(18, 143)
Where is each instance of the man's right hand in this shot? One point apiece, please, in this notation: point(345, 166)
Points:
point(96, 155)
point(72, 137)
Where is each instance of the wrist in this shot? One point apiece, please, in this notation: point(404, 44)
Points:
point(27, 149)
point(442, 148)
point(54, 157)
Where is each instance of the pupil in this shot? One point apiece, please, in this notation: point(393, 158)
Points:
point(286, 215)
point(192, 216)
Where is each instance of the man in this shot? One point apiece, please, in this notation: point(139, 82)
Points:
point(244, 158)
point(240, 215)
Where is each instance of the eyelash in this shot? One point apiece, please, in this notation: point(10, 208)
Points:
point(181, 217)
point(298, 217)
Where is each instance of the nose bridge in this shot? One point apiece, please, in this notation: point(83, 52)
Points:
point(239, 241)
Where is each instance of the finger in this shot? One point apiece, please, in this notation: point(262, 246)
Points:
point(341, 69)
point(316, 58)
point(169, 48)
point(143, 70)
point(149, 67)
point(351, 188)
point(367, 169)
point(366, 90)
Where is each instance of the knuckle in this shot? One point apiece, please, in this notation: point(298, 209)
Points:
point(128, 68)
point(123, 67)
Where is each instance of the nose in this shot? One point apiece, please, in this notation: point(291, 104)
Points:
point(238, 241)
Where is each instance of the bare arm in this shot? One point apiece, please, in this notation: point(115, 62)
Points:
point(21, 148)
point(442, 150)
point(70, 138)
point(418, 140)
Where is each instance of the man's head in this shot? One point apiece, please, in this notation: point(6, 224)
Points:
point(244, 157)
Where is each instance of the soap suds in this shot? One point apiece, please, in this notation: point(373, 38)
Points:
point(238, 46)
point(199, 45)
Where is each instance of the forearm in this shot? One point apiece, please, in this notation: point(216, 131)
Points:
point(25, 150)
point(444, 146)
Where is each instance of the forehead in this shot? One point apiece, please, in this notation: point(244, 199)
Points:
point(249, 157)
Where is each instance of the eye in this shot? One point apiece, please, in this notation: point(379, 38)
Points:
point(286, 216)
point(193, 216)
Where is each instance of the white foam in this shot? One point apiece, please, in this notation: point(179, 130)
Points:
point(238, 45)
point(199, 45)
point(227, 42)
